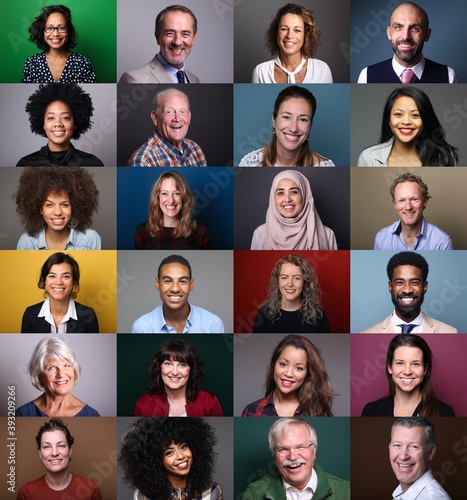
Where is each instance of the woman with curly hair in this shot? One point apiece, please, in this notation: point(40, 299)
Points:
point(170, 458)
point(293, 37)
point(411, 134)
point(60, 112)
point(176, 373)
point(293, 303)
point(59, 313)
point(297, 383)
point(292, 221)
point(409, 363)
point(56, 207)
point(53, 32)
point(170, 224)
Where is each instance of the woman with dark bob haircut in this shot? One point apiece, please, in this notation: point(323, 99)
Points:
point(54, 441)
point(170, 223)
point(411, 134)
point(53, 32)
point(293, 37)
point(59, 313)
point(60, 112)
point(293, 303)
point(56, 205)
point(297, 383)
point(153, 450)
point(176, 373)
point(408, 369)
point(292, 119)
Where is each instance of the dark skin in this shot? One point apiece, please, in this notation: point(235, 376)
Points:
point(407, 290)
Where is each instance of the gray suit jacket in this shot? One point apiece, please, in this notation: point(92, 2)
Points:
point(152, 72)
point(376, 156)
point(429, 325)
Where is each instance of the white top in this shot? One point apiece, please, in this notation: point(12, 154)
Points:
point(47, 315)
point(255, 158)
point(317, 72)
point(424, 488)
point(307, 493)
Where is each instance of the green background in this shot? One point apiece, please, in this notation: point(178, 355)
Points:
point(94, 20)
point(134, 355)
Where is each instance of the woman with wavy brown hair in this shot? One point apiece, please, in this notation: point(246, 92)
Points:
point(170, 224)
point(297, 383)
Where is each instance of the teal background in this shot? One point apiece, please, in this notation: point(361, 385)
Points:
point(134, 355)
point(94, 21)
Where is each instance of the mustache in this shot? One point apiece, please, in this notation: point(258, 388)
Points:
point(290, 463)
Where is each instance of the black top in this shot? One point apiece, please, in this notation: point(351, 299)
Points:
point(384, 407)
point(383, 72)
point(72, 157)
point(288, 322)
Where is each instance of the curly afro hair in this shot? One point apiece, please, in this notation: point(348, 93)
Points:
point(144, 445)
point(35, 184)
point(73, 95)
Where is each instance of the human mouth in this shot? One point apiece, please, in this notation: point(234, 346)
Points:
point(292, 138)
point(406, 131)
point(286, 383)
point(182, 465)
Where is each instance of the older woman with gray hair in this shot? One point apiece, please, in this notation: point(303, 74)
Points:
point(54, 369)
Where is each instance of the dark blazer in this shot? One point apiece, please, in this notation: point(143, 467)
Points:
point(87, 320)
point(383, 73)
point(384, 407)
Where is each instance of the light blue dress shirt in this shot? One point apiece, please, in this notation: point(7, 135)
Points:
point(78, 240)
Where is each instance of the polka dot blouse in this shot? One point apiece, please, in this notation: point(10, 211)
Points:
point(78, 69)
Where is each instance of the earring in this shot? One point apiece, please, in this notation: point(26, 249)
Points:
point(73, 223)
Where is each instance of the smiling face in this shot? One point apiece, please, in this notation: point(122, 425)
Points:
point(292, 125)
point(174, 286)
point(408, 31)
point(58, 377)
point(409, 203)
point(56, 40)
point(57, 212)
point(409, 454)
point(290, 370)
point(54, 452)
point(407, 368)
point(175, 374)
point(59, 281)
point(176, 37)
point(405, 121)
point(407, 290)
point(291, 285)
point(288, 198)
point(177, 460)
point(59, 126)
point(172, 118)
point(170, 202)
point(291, 34)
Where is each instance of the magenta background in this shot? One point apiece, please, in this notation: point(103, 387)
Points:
point(368, 357)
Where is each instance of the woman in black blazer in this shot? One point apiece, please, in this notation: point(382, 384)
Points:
point(59, 313)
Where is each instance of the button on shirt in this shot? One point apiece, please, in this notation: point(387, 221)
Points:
point(293, 494)
point(431, 237)
point(47, 315)
point(424, 488)
point(199, 321)
point(397, 322)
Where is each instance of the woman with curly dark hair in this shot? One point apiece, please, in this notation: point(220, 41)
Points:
point(170, 458)
point(53, 32)
point(176, 373)
point(293, 37)
point(60, 112)
point(293, 303)
point(297, 383)
point(56, 207)
point(170, 223)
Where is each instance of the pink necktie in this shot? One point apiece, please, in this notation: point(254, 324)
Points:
point(407, 76)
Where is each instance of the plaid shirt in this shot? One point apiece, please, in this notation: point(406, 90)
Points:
point(164, 240)
point(265, 408)
point(159, 152)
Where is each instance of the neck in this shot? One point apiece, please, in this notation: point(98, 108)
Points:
point(57, 238)
point(175, 395)
point(411, 63)
point(412, 231)
point(291, 305)
point(58, 148)
point(286, 158)
point(179, 483)
point(290, 62)
point(59, 480)
point(177, 316)
point(281, 398)
point(54, 402)
point(170, 221)
point(59, 306)
point(60, 53)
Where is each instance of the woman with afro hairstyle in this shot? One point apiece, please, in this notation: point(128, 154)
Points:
point(293, 304)
point(170, 223)
point(53, 32)
point(56, 205)
point(176, 373)
point(60, 112)
point(297, 383)
point(170, 458)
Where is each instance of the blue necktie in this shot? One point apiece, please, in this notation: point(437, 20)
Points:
point(181, 76)
point(407, 328)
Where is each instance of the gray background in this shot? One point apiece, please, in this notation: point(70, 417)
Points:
point(97, 355)
point(253, 17)
point(252, 356)
point(366, 113)
point(211, 57)
point(223, 470)
point(104, 221)
point(17, 140)
point(331, 193)
point(213, 283)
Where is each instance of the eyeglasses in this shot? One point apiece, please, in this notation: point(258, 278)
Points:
point(285, 450)
point(51, 29)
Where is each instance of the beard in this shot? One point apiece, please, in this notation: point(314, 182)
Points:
point(407, 55)
point(408, 311)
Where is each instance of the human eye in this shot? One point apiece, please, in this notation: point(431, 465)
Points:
point(62, 445)
point(183, 281)
point(186, 34)
point(50, 368)
point(281, 363)
point(414, 447)
point(169, 33)
point(182, 365)
point(417, 364)
point(177, 193)
point(183, 446)
point(416, 116)
point(167, 281)
point(45, 446)
point(304, 119)
point(396, 446)
point(168, 453)
point(169, 112)
point(299, 368)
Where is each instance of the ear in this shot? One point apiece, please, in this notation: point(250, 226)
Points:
point(157, 283)
point(431, 453)
point(156, 36)
point(154, 118)
point(390, 287)
point(425, 286)
point(428, 34)
point(192, 284)
point(389, 370)
point(388, 32)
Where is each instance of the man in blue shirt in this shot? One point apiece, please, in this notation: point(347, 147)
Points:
point(176, 315)
point(412, 232)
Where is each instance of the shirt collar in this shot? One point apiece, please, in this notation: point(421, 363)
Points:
point(415, 488)
point(163, 326)
point(396, 321)
point(42, 242)
point(417, 69)
point(47, 315)
point(168, 67)
point(397, 230)
point(293, 493)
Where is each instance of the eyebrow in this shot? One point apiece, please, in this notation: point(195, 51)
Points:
point(172, 278)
